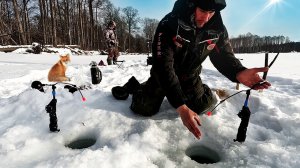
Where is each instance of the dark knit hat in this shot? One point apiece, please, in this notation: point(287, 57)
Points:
point(111, 23)
point(210, 5)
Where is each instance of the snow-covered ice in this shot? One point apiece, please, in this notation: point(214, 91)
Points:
point(124, 140)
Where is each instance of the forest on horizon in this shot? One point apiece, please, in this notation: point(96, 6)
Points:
point(82, 22)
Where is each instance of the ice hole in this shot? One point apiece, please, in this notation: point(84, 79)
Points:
point(81, 143)
point(203, 154)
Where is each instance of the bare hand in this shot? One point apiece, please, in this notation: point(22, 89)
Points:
point(250, 77)
point(190, 119)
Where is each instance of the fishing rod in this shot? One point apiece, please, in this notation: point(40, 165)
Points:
point(51, 107)
point(245, 113)
point(267, 64)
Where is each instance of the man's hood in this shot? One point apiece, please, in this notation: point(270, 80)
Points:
point(185, 11)
point(210, 5)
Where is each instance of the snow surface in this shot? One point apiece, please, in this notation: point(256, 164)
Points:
point(125, 140)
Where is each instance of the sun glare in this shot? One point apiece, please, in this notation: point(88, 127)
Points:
point(272, 2)
point(269, 5)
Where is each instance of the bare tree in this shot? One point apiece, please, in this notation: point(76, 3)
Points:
point(53, 22)
point(91, 13)
point(42, 7)
point(131, 19)
point(80, 23)
point(149, 27)
point(26, 21)
point(19, 24)
point(5, 31)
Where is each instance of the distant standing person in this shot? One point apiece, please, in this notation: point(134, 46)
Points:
point(112, 43)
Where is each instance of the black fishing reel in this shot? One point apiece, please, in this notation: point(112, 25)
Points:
point(38, 85)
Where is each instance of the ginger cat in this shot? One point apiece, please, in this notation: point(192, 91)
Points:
point(58, 72)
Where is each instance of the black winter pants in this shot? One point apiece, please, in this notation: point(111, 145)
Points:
point(147, 100)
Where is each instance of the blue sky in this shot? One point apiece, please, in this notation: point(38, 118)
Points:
point(240, 16)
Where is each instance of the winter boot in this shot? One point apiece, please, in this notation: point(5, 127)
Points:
point(109, 61)
point(132, 85)
point(122, 92)
point(115, 61)
point(119, 93)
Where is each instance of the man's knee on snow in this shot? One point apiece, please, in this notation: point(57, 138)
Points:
point(144, 105)
point(204, 103)
point(147, 99)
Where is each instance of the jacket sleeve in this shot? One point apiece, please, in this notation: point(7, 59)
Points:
point(106, 35)
point(163, 56)
point(224, 60)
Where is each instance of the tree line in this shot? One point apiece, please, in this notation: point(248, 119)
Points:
point(73, 22)
point(82, 22)
point(250, 43)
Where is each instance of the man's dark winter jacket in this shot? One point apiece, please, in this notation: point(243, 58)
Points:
point(176, 68)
